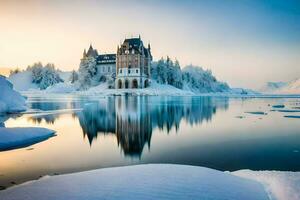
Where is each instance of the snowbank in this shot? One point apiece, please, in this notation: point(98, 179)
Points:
point(155, 181)
point(10, 100)
point(13, 138)
point(153, 89)
point(279, 185)
point(65, 76)
point(62, 87)
point(22, 81)
point(102, 89)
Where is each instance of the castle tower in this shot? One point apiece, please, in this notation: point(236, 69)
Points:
point(133, 64)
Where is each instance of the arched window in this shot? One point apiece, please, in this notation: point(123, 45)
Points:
point(126, 83)
point(134, 83)
point(146, 83)
point(119, 84)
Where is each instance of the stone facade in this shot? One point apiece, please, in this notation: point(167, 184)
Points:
point(133, 64)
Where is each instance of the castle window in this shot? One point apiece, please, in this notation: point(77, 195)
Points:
point(137, 71)
point(129, 71)
point(120, 71)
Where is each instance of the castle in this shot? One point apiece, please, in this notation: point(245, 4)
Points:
point(130, 67)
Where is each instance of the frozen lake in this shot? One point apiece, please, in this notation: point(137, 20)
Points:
point(222, 133)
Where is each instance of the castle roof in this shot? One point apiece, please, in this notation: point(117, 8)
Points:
point(92, 52)
point(135, 44)
point(106, 59)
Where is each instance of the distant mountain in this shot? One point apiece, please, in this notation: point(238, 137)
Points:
point(292, 87)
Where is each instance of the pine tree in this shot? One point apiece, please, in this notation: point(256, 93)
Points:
point(74, 76)
point(87, 72)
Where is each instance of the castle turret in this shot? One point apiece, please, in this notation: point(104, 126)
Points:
point(84, 54)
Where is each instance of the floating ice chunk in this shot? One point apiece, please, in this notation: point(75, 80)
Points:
point(288, 110)
point(13, 138)
point(292, 116)
point(257, 113)
point(278, 106)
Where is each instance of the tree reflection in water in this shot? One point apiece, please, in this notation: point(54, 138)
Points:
point(132, 119)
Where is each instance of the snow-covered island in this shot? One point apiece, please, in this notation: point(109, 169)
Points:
point(167, 79)
point(131, 70)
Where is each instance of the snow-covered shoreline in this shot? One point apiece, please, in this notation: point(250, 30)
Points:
point(151, 181)
point(280, 185)
point(157, 181)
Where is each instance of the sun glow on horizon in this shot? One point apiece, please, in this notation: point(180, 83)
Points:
point(243, 43)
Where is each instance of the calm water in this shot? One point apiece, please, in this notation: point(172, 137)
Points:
point(206, 131)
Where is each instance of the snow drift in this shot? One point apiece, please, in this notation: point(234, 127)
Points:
point(280, 185)
point(22, 81)
point(13, 138)
point(154, 181)
point(10, 100)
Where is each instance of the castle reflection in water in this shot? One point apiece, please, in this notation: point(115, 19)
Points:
point(132, 119)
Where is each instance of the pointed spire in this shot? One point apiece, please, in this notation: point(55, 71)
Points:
point(91, 47)
point(84, 53)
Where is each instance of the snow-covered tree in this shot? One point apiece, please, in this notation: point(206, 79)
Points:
point(49, 76)
point(36, 70)
point(166, 72)
point(73, 76)
point(44, 76)
point(199, 80)
point(194, 78)
point(14, 71)
point(87, 72)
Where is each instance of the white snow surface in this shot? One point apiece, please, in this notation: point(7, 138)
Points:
point(63, 87)
point(154, 89)
point(103, 90)
point(22, 81)
point(12, 138)
point(10, 100)
point(65, 75)
point(280, 185)
point(152, 181)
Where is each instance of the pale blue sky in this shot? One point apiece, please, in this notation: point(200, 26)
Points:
point(244, 42)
